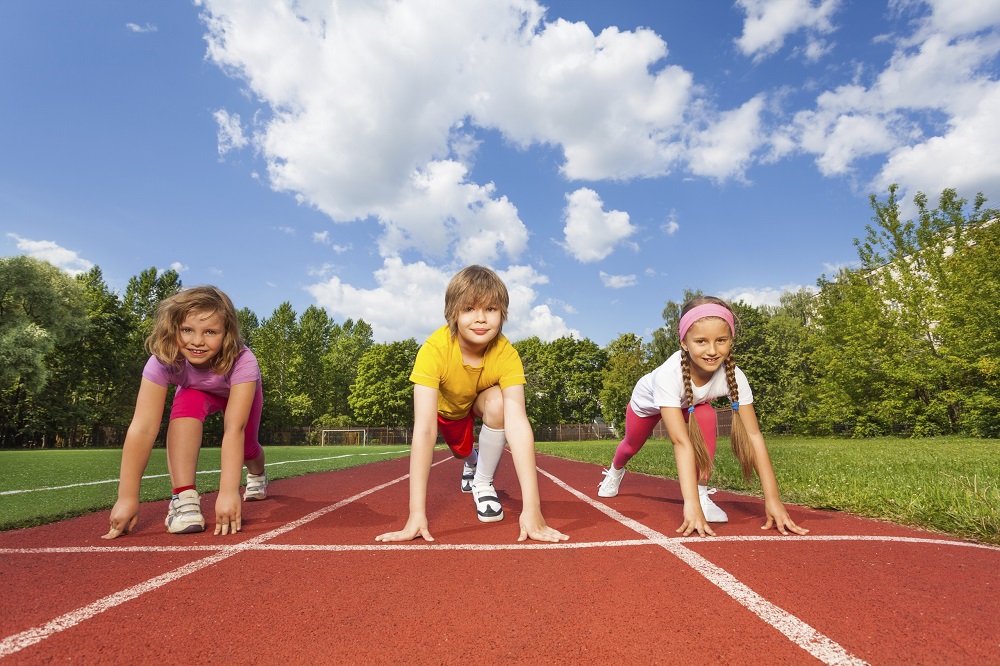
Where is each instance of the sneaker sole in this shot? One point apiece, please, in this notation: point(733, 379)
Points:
point(190, 529)
point(601, 493)
point(256, 497)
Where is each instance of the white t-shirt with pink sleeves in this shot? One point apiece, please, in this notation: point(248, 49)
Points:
point(664, 387)
point(187, 376)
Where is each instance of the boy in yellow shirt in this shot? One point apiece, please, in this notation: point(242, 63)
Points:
point(464, 370)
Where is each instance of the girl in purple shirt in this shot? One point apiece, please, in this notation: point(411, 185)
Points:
point(196, 346)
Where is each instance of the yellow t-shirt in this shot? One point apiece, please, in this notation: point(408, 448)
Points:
point(439, 366)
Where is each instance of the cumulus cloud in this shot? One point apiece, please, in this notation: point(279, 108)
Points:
point(376, 112)
point(758, 297)
point(179, 267)
point(414, 295)
point(928, 111)
point(591, 233)
point(769, 22)
point(66, 260)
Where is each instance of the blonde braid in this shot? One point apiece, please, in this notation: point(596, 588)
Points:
point(738, 438)
point(702, 460)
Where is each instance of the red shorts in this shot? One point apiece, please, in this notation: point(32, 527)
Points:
point(195, 404)
point(457, 434)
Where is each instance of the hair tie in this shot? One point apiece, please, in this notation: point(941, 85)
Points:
point(736, 406)
point(690, 409)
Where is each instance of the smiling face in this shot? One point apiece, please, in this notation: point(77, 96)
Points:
point(199, 337)
point(478, 325)
point(708, 342)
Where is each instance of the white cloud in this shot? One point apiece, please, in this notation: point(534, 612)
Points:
point(964, 157)
point(927, 111)
point(289, 231)
point(762, 296)
point(618, 281)
point(179, 267)
point(724, 149)
point(408, 301)
point(769, 22)
point(591, 233)
point(230, 133)
point(66, 260)
point(135, 27)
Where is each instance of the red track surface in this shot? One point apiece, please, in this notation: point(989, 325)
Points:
point(305, 582)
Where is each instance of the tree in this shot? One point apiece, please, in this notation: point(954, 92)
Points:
point(627, 362)
point(970, 327)
point(40, 308)
point(249, 325)
point(276, 351)
point(383, 393)
point(348, 344)
point(563, 379)
point(311, 342)
point(788, 401)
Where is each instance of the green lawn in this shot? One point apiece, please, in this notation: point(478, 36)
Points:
point(92, 477)
point(949, 485)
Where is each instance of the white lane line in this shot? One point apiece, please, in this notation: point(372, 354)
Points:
point(806, 637)
point(29, 637)
point(204, 471)
point(527, 545)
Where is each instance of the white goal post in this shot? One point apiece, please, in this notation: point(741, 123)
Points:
point(343, 437)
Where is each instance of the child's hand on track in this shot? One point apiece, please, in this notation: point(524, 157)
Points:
point(533, 527)
point(124, 516)
point(694, 520)
point(227, 513)
point(416, 525)
point(779, 518)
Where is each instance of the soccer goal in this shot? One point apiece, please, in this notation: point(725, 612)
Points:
point(344, 437)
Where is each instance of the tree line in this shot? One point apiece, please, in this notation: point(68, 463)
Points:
point(905, 342)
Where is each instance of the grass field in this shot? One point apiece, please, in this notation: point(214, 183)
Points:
point(38, 487)
point(949, 485)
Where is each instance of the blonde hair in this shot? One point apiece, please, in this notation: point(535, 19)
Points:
point(738, 438)
point(472, 286)
point(171, 312)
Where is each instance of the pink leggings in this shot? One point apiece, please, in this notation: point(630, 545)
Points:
point(639, 428)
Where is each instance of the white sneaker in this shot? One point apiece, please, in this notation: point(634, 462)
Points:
point(713, 513)
point(184, 515)
point(612, 479)
point(468, 474)
point(256, 487)
point(487, 503)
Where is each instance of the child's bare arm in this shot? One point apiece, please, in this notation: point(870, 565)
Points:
point(687, 472)
point(425, 402)
point(228, 508)
point(139, 442)
point(774, 510)
point(522, 447)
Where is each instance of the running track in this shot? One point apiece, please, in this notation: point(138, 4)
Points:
point(305, 582)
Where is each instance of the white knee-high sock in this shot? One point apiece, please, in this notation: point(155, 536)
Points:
point(491, 443)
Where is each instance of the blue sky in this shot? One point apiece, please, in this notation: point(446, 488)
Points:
point(601, 156)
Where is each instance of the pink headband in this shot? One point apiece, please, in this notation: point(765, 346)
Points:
point(702, 311)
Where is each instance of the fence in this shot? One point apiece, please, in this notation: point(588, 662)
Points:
point(563, 432)
point(114, 437)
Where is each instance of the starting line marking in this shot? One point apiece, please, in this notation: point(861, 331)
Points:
point(809, 639)
point(533, 545)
